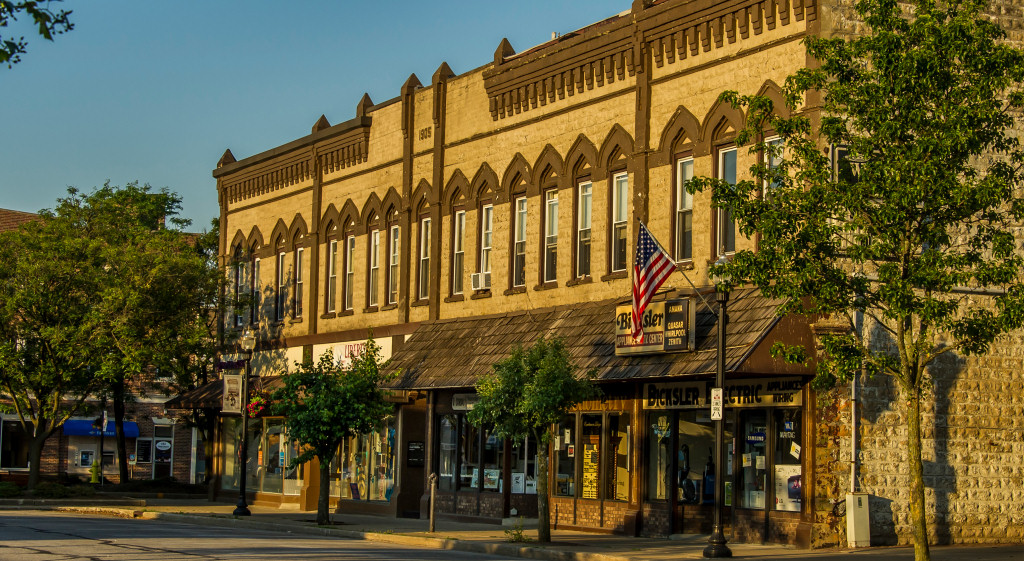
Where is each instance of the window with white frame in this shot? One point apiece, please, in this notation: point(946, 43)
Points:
point(583, 216)
point(486, 237)
point(551, 236)
point(424, 284)
point(350, 271)
point(332, 276)
point(299, 282)
point(282, 287)
point(393, 266)
point(238, 288)
point(725, 232)
point(458, 250)
point(772, 159)
point(255, 288)
point(374, 282)
point(684, 211)
point(519, 247)
point(620, 215)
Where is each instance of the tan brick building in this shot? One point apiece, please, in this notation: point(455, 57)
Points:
point(486, 208)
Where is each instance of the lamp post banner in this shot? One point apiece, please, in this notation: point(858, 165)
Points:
point(231, 398)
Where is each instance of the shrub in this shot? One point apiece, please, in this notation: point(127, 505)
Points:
point(48, 490)
point(9, 490)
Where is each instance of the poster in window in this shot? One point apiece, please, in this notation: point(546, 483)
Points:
point(788, 487)
point(590, 467)
point(518, 482)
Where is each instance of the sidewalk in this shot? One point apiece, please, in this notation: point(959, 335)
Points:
point(483, 538)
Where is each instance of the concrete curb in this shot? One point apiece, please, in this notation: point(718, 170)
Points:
point(81, 503)
point(507, 549)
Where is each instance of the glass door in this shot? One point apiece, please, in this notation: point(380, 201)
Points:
point(753, 459)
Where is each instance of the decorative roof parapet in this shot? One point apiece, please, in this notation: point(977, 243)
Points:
point(604, 52)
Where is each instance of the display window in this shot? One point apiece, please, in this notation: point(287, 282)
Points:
point(363, 468)
point(565, 458)
point(470, 458)
point(594, 450)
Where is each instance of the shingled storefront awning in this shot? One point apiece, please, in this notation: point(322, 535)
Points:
point(454, 353)
point(208, 396)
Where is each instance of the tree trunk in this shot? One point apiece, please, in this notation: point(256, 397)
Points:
point(917, 501)
point(543, 495)
point(323, 503)
point(122, 449)
point(35, 456)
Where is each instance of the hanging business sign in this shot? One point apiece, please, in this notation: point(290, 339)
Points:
point(667, 327)
point(759, 392)
point(464, 401)
point(231, 397)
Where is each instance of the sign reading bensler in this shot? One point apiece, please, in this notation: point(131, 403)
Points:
point(666, 328)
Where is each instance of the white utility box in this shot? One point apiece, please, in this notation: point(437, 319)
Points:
point(858, 520)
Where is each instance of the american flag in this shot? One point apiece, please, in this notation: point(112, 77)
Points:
point(650, 269)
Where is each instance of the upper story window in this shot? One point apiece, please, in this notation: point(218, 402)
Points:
point(458, 250)
point(684, 211)
point(299, 282)
point(282, 287)
point(393, 245)
point(620, 215)
point(519, 243)
point(239, 290)
point(331, 287)
point(583, 220)
point(551, 235)
point(424, 268)
point(773, 159)
point(350, 271)
point(254, 290)
point(373, 284)
point(725, 230)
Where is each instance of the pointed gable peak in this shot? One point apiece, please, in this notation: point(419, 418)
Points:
point(226, 158)
point(364, 105)
point(503, 51)
point(411, 84)
point(321, 124)
point(443, 73)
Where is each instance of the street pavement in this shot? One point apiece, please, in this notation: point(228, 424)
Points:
point(451, 537)
point(51, 536)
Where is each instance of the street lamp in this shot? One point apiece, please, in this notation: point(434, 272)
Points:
point(248, 342)
point(716, 543)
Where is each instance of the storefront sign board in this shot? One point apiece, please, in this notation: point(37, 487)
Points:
point(464, 401)
point(757, 392)
point(666, 328)
point(231, 397)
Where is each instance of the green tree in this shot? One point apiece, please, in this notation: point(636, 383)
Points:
point(325, 403)
point(152, 293)
point(525, 395)
point(918, 230)
point(47, 285)
point(48, 22)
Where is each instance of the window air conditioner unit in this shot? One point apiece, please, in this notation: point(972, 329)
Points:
point(481, 281)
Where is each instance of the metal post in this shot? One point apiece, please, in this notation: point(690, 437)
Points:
point(242, 509)
point(717, 543)
point(432, 481)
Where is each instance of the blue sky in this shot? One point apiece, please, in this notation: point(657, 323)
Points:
point(155, 91)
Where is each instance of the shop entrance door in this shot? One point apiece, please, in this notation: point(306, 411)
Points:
point(163, 450)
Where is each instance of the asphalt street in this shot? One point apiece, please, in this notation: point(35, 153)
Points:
point(38, 535)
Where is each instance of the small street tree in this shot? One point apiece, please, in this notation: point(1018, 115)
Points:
point(525, 395)
point(47, 285)
point(920, 228)
point(325, 403)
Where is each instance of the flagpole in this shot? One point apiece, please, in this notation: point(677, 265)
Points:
point(679, 268)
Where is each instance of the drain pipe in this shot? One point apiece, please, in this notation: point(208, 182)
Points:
point(854, 413)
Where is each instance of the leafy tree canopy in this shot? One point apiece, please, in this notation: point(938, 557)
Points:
point(47, 21)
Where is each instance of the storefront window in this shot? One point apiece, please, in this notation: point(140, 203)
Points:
point(231, 443)
point(695, 463)
point(493, 460)
point(271, 457)
point(788, 446)
point(469, 456)
point(363, 468)
point(590, 442)
point(659, 441)
point(617, 470)
point(254, 461)
point(14, 445)
point(524, 466)
point(565, 461)
point(753, 466)
point(446, 458)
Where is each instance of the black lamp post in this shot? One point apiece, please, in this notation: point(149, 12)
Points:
point(248, 342)
point(717, 543)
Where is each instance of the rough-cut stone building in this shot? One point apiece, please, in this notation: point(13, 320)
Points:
point(484, 209)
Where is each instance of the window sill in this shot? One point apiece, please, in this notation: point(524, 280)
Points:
point(614, 276)
point(329, 315)
point(369, 309)
point(293, 321)
point(454, 298)
point(586, 279)
point(515, 290)
point(478, 294)
point(345, 313)
point(546, 286)
point(420, 303)
point(685, 264)
point(388, 307)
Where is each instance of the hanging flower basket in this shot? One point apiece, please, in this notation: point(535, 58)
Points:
point(256, 406)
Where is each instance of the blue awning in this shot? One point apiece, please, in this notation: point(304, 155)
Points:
point(75, 427)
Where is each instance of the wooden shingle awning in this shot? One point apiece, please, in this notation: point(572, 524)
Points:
point(455, 353)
